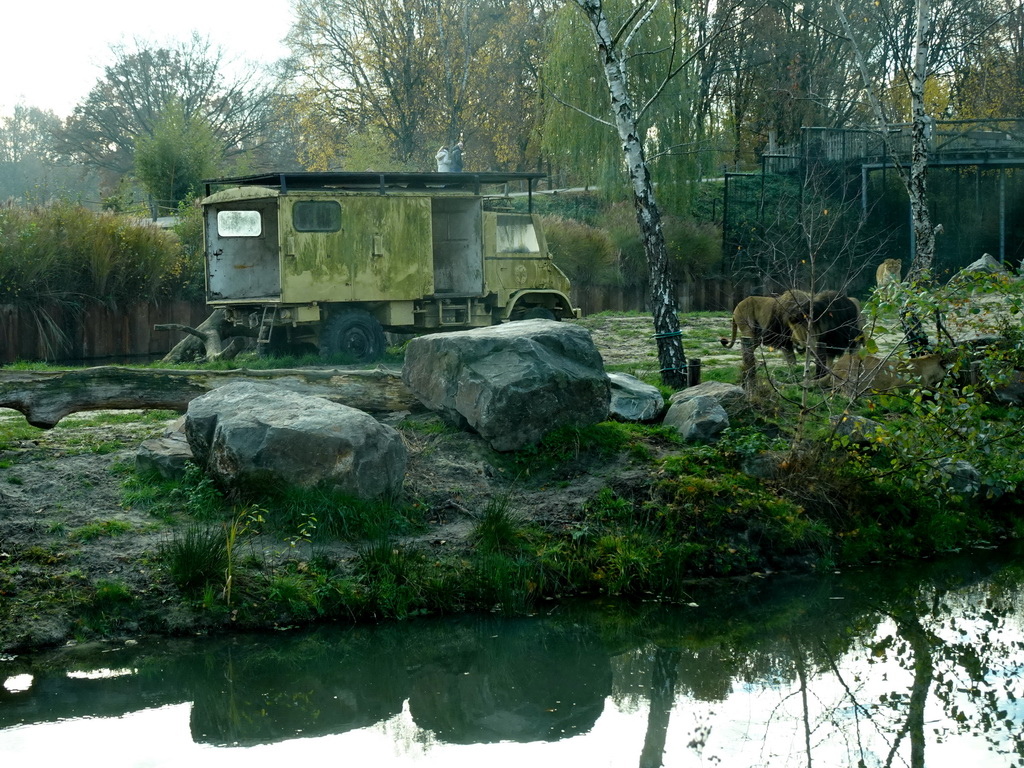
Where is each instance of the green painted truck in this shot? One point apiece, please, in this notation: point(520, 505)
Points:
point(333, 260)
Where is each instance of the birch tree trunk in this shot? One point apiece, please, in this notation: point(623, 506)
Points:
point(648, 216)
point(916, 179)
point(920, 135)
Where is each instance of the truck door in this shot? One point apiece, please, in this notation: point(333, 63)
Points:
point(457, 240)
point(242, 251)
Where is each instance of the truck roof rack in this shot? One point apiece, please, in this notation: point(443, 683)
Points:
point(372, 180)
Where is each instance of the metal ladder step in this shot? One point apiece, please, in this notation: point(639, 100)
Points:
point(266, 325)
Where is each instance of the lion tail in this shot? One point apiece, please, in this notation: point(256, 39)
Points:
point(730, 342)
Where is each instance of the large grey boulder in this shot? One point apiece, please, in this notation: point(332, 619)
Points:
point(249, 433)
point(511, 383)
point(699, 419)
point(987, 263)
point(634, 400)
point(731, 397)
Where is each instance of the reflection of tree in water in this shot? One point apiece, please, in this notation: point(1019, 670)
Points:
point(899, 664)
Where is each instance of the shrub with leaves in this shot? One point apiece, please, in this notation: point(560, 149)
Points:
point(975, 323)
point(65, 252)
point(583, 252)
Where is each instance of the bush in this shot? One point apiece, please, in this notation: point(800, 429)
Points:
point(694, 248)
point(65, 252)
point(583, 252)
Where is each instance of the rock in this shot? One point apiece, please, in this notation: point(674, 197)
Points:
point(961, 476)
point(167, 455)
point(730, 396)
point(633, 400)
point(511, 383)
point(986, 264)
point(247, 433)
point(1010, 391)
point(859, 430)
point(764, 466)
point(699, 418)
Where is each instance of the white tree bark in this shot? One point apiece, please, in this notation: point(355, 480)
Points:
point(924, 231)
point(662, 295)
point(916, 179)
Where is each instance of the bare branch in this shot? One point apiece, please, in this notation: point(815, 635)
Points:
point(574, 108)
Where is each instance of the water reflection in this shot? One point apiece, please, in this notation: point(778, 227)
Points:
point(892, 667)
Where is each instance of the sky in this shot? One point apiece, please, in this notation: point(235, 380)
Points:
point(55, 50)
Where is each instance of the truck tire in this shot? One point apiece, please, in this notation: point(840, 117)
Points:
point(354, 334)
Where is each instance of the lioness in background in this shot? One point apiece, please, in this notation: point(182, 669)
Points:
point(888, 272)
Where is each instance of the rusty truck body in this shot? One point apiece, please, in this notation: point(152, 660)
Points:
point(335, 259)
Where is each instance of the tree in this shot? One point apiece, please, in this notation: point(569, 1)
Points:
point(130, 100)
point(418, 73)
point(362, 63)
point(991, 84)
point(667, 58)
point(29, 166)
point(916, 177)
point(784, 72)
point(172, 162)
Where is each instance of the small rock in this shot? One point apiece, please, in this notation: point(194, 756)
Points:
point(699, 419)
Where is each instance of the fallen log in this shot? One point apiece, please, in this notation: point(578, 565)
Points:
point(45, 397)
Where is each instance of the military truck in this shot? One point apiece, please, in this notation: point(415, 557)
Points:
point(333, 260)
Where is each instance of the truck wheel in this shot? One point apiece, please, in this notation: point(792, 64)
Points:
point(354, 334)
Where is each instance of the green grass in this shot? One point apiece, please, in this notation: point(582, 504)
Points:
point(105, 418)
point(102, 528)
point(501, 527)
point(196, 557)
point(15, 431)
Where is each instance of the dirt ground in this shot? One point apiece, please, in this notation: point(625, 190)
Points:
point(65, 525)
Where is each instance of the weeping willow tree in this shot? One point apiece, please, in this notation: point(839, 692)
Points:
point(634, 115)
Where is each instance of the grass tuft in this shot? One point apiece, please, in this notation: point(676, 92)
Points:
point(196, 558)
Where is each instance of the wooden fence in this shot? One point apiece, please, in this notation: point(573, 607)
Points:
point(711, 294)
point(61, 334)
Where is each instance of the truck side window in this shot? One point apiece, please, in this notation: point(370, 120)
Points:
point(516, 235)
point(239, 224)
point(316, 216)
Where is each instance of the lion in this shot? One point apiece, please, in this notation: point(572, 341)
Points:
point(829, 324)
point(854, 374)
point(765, 320)
point(888, 272)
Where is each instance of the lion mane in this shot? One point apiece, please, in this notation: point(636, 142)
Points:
point(828, 322)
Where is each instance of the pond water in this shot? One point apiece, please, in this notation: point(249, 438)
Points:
point(896, 666)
